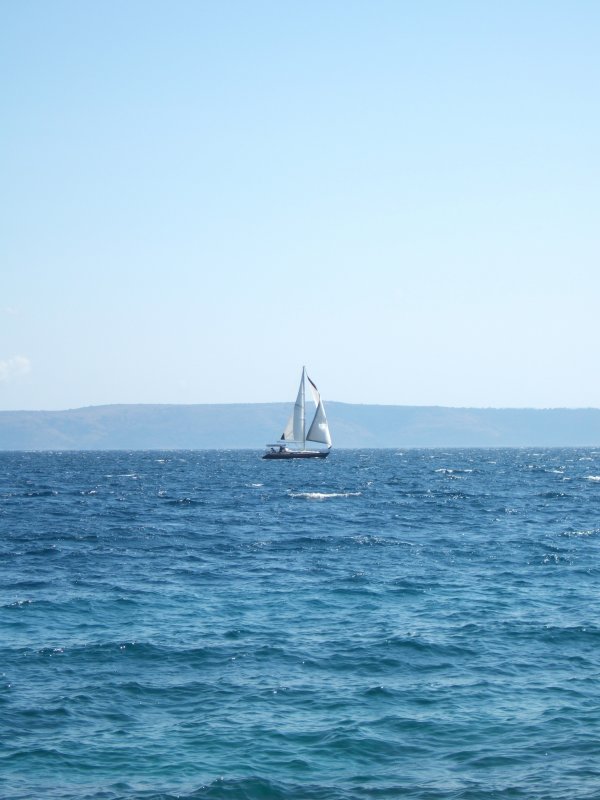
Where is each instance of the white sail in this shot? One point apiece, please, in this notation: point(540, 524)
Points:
point(315, 392)
point(294, 430)
point(319, 430)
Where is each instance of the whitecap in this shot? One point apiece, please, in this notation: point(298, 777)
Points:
point(593, 477)
point(323, 495)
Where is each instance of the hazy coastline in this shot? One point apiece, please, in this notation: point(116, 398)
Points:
point(251, 425)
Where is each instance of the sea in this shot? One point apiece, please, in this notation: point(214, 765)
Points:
point(415, 624)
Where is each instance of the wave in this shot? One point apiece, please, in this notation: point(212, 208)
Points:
point(583, 532)
point(323, 495)
point(446, 471)
point(181, 501)
point(251, 787)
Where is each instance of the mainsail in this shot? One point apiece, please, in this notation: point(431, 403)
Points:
point(294, 430)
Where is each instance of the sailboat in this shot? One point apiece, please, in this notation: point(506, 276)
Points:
point(296, 436)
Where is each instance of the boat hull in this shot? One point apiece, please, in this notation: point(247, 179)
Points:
point(288, 454)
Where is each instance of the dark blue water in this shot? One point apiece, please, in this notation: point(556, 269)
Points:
point(379, 625)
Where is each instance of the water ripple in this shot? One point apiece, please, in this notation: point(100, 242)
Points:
point(418, 625)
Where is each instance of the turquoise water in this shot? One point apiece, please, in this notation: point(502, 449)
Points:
point(383, 624)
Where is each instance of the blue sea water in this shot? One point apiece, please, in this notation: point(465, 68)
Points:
point(382, 624)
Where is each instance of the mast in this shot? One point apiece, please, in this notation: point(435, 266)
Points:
point(303, 383)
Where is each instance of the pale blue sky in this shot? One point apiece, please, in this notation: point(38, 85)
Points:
point(196, 198)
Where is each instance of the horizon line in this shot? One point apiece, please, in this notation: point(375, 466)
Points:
point(288, 403)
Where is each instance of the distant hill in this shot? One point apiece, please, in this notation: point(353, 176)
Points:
point(246, 425)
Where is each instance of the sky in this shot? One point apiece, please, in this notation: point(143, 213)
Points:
point(197, 198)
